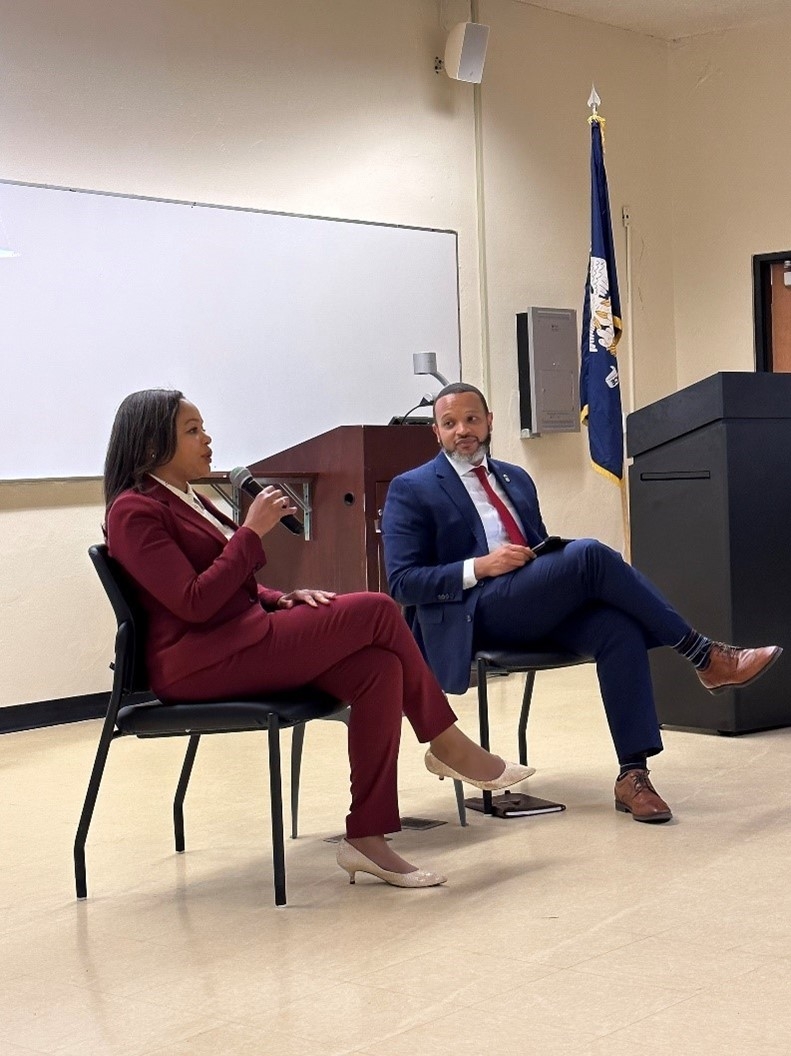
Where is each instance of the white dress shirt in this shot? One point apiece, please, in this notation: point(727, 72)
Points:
point(496, 535)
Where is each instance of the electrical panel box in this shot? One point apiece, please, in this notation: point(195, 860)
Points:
point(547, 344)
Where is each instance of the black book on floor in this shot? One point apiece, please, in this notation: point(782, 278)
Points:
point(516, 805)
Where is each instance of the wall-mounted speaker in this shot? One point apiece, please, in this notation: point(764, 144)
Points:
point(465, 52)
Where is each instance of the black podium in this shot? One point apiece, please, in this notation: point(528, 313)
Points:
point(710, 492)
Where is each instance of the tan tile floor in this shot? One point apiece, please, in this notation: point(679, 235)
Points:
point(581, 933)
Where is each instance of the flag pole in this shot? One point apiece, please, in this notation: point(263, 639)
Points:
point(626, 513)
point(602, 329)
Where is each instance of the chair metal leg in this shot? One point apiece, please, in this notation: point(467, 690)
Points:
point(95, 781)
point(458, 788)
point(297, 741)
point(181, 791)
point(527, 698)
point(276, 802)
point(483, 723)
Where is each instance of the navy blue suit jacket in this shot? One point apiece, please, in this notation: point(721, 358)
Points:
point(430, 527)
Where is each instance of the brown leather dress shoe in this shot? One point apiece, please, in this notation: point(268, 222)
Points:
point(730, 666)
point(635, 795)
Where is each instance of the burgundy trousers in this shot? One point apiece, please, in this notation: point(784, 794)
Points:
point(359, 649)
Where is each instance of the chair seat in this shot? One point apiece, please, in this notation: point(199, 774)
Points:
point(159, 719)
point(518, 660)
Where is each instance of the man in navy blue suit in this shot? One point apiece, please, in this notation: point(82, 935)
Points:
point(459, 534)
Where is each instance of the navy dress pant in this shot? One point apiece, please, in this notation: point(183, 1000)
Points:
point(586, 599)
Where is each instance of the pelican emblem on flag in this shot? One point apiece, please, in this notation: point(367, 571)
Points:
point(603, 333)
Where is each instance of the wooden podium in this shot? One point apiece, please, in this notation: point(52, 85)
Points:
point(350, 469)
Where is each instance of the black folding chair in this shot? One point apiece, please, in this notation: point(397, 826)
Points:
point(488, 662)
point(133, 710)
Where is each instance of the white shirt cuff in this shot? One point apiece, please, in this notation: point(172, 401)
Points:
point(468, 578)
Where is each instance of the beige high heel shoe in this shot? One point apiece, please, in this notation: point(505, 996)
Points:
point(354, 861)
point(512, 775)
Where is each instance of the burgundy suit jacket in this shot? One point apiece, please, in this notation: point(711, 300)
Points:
point(196, 587)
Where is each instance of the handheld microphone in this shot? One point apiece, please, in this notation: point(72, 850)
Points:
point(242, 478)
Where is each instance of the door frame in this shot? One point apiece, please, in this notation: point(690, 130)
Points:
point(762, 306)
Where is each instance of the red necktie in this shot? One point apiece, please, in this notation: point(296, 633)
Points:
point(512, 529)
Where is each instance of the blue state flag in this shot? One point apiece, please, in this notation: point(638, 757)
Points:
point(600, 392)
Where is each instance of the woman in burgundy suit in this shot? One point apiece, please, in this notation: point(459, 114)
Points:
point(214, 631)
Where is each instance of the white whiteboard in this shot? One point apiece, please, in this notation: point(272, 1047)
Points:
point(278, 327)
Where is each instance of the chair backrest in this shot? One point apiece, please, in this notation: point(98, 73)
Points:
point(131, 620)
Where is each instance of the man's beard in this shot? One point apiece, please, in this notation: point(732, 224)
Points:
point(471, 458)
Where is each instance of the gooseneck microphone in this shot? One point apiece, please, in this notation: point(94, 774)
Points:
point(242, 478)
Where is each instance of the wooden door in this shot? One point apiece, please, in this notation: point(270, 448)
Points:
point(781, 315)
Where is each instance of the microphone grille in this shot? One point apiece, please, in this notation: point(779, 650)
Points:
point(239, 475)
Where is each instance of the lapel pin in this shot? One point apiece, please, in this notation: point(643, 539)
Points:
point(506, 478)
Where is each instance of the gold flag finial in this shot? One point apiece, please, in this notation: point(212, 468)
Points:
point(593, 103)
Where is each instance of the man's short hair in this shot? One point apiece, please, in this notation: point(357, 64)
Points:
point(456, 387)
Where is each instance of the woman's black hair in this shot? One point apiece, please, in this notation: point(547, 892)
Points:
point(143, 437)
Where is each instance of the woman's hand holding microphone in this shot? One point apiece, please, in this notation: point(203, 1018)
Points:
point(266, 510)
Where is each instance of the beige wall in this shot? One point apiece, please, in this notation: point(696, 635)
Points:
point(539, 71)
point(331, 109)
point(731, 153)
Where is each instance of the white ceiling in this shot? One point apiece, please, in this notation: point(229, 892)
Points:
point(671, 19)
